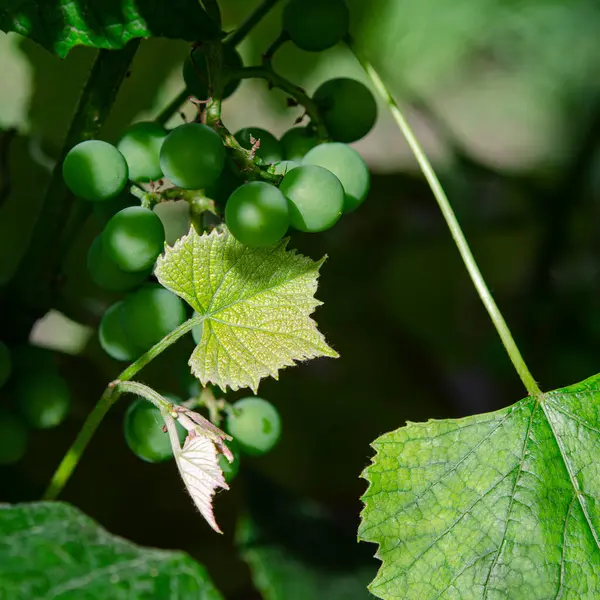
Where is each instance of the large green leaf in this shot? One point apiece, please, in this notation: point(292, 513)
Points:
point(499, 505)
point(50, 550)
point(58, 25)
point(256, 304)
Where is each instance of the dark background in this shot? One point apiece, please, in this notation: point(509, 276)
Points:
point(505, 95)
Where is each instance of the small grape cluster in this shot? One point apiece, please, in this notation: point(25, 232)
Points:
point(259, 186)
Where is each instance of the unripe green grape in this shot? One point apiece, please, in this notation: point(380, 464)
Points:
point(255, 425)
point(348, 109)
point(5, 363)
point(105, 273)
point(150, 313)
point(269, 149)
point(230, 470)
point(112, 336)
point(284, 166)
point(140, 145)
point(315, 25)
point(257, 214)
point(14, 437)
point(195, 74)
point(192, 156)
point(143, 430)
point(134, 238)
point(348, 166)
point(315, 198)
point(297, 141)
point(43, 398)
point(95, 170)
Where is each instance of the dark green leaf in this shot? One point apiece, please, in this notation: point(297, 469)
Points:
point(52, 550)
point(58, 25)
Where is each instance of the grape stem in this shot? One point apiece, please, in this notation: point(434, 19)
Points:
point(281, 39)
point(455, 229)
point(139, 389)
point(248, 25)
point(275, 80)
point(109, 397)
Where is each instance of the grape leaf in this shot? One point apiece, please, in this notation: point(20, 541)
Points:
point(50, 550)
point(498, 505)
point(255, 302)
point(58, 25)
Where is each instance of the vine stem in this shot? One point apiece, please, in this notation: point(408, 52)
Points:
point(109, 397)
point(455, 229)
point(248, 25)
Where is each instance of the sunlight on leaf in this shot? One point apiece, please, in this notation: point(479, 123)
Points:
point(498, 505)
point(256, 303)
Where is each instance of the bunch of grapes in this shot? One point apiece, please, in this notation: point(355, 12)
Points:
point(260, 188)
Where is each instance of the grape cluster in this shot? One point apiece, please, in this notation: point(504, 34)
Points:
point(259, 186)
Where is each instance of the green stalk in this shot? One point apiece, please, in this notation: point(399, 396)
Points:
point(455, 229)
point(248, 25)
point(109, 397)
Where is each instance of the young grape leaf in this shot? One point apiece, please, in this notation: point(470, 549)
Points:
point(498, 505)
point(58, 25)
point(52, 550)
point(256, 304)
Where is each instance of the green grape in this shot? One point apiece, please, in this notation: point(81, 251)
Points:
point(195, 74)
point(315, 197)
point(315, 25)
point(43, 398)
point(13, 438)
point(192, 156)
point(284, 166)
point(103, 211)
point(269, 149)
point(348, 109)
point(140, 145)
point(297, 141)
point(143, 430)
point(348, 166)
point(230, 470)
point(95, 171)
point(134, 238)
point(257, 214)
point(5, 363)
point(150, 313)
point(255, 425)
point(112, 336)
point(107, 275)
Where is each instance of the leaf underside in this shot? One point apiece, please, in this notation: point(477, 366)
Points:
point(59, 25)
point(50, 550)
point(256, 304)
point(496, 506)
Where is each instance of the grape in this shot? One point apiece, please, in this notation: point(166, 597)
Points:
point(269, 149)
point(315, 197)
point(284, 166)
point(140, 145)
point(348, 166)
point(43, 398)
point(230, 470)
point(315, 25)
point(257, 214)
point(297, 141)
point(348, 109)
point(192, 156)
point(107, 275)
point(5, 363)
point(143, 429)
point(255, 425)
point(112, 336)
point(95, 171)
point(196, 75)
point(134, 238)
point(150, 313)
point(13, 438)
